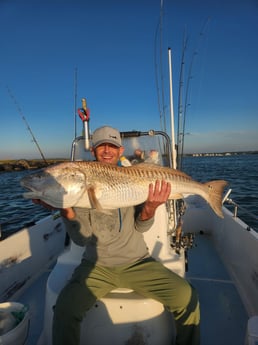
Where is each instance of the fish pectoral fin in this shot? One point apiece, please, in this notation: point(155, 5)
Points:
point(176, 196)
point(93, 199)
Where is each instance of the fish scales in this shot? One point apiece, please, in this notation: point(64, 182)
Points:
point(127, 175)
point(141, 171)
point(115, 185)
point(103, 186)
point(119, 185)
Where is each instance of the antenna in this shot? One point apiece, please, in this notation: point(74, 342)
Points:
point(26, 123)
point(160, 93)
point(172, 110)
point(75, 102)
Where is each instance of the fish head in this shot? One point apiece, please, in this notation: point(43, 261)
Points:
point(60, 186)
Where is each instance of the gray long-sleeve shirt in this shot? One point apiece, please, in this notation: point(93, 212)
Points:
point(110, 239)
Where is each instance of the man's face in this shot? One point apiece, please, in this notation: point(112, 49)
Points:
point(108, 153)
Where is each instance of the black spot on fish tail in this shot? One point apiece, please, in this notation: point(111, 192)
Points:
point(215, 195)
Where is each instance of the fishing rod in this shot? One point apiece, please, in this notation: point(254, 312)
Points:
point(195, 53)
point(182, 110)
point(26, 123)
point(84, 114)
point(180, 104)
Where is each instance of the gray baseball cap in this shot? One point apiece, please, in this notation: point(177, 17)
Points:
point(106, 134)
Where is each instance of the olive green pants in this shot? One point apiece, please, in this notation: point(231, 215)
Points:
point(147, 277)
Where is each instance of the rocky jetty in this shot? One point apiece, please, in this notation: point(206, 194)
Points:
point(25, 164)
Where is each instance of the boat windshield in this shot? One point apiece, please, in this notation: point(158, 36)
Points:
point(149, 147)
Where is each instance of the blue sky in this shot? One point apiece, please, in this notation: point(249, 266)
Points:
point(112, 46)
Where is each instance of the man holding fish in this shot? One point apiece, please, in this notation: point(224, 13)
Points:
point(117, 256)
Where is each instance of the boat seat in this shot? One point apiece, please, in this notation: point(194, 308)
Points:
point(122, 312)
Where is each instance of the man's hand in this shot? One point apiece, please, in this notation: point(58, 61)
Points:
point(158, 195)
point(67, 213)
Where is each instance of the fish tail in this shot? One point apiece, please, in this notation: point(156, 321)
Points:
point(215, 192)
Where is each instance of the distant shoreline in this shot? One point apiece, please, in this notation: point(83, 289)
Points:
point(220, 154)
point(32, 164)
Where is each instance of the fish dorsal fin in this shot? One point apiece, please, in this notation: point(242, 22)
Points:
point(153, 166)
point(145, 165)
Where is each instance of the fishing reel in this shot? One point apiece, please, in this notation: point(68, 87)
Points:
point(179, 239)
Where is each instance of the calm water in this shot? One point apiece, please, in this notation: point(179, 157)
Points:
point(15, 211)
point(240, 171)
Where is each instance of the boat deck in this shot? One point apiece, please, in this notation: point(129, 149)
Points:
point(223, 315)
